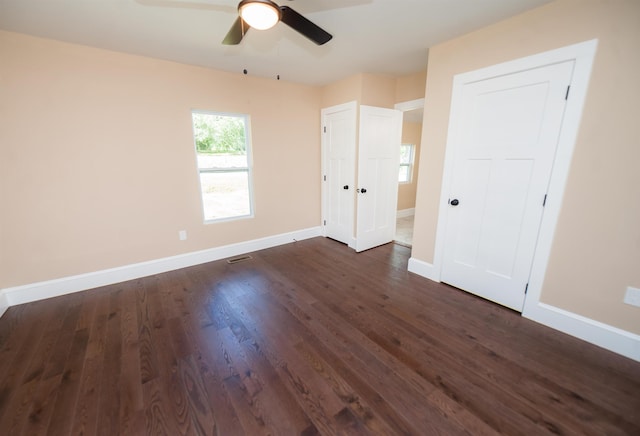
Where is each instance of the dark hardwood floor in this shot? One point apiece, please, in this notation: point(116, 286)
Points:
point(307, 338)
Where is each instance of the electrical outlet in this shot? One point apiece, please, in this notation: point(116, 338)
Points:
point(182, 234)
point(632, 296)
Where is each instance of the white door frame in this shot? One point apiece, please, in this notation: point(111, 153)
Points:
point(410, 105)
point(583, 54)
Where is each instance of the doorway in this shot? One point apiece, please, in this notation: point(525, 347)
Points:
point(412, 114)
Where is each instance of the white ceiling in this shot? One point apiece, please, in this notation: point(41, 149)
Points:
point(369, 36)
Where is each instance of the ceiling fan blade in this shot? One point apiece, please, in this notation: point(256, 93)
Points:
point(236, 33)
point(300, 24)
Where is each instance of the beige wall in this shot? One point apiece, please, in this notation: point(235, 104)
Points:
point(97, 164)
point(378, 90)
point(596, 250)
point(411, 134)
point(342, 91)
point(411, 86)
point(375, 90)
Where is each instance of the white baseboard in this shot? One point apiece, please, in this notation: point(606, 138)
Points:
point(597, 333)
point(405, 212)
point(66, 285)
point(423, 269)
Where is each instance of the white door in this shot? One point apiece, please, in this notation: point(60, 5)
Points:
point(505, 137)
point(378, 161)
point(339, 144)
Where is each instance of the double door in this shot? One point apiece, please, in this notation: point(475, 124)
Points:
point(360, 174)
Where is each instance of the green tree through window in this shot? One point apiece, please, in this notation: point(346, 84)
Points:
point(219, 133)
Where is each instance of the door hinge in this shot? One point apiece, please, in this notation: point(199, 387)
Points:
point(324, 178)
point(325, 222)
point(544, 202)
point(325, 129)
point(566, 96)
point(526, 288)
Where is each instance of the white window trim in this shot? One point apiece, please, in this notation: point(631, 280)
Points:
point(410, 164)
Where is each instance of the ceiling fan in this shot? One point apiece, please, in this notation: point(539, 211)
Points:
point(264, 14)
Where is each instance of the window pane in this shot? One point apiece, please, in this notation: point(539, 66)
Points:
point(222, 134)
point(404, 173)
point(405, 153)
point(406, 162)
point(225, 195)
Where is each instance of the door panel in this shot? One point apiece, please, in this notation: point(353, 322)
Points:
point(467, 238)
point(339, 141)
point(378, 163)
point(505, 142)
point(501, 234)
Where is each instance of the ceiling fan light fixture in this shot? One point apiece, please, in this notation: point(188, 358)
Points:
point(259, 14)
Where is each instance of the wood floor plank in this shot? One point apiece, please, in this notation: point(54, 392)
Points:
point(280, 409)
point(369, 363)
point(158, 415)
point(64, 340)
point(197, 402)
point(196, 297)
point(226, 420)
point(108, 422)
point(10, 335)
point(433, 366)
point(86, 408)
point(21, 383)
point(244, 385)
point(381, 359)
point(343, 389)
point(305, 338)
point(283, 381)
point(36, 345)
point(146, 346)
point(67, 388)
point(42, 402)
point(165, 399)
point(131, 416)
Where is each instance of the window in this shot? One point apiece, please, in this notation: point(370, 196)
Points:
point(406, 163)
point(224, 164)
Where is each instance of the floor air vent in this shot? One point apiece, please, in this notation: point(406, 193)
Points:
point(239, 259)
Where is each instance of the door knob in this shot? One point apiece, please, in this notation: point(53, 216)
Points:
point(363, 190)
point(345, 187)
point(454, 202)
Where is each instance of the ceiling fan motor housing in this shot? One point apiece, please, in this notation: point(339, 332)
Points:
point(259, 14)
point(264, 14)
